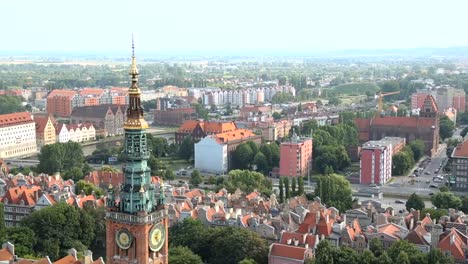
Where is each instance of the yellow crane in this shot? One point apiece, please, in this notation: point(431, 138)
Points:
point(380, 97)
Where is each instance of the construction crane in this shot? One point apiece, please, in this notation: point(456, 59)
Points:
point(380, 97)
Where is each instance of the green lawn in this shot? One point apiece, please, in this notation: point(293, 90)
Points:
point(175, 164)
point(355, 89)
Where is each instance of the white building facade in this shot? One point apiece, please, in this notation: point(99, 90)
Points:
point(17, 135)
point(211, 155)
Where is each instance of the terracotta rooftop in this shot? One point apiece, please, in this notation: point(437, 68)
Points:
point(66, 260)
point(91, 91)
point(286, 251)
point(65, 93)
point(105, 177)
point(17, 194)
point(15, 119)
point(454, 242)
point(461, 151)
point(235, 135)
point(5, 254)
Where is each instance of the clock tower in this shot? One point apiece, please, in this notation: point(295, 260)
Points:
point(136, 216)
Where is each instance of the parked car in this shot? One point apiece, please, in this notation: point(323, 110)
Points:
point(399, 202)
point(427, 173)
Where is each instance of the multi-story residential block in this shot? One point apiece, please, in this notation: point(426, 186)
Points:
point(17, 135)
point(376, 159)
point(417, 100)
point(19, 202)
point(296, 157)
point(45, 130)
point(107, 119)
point(459, 180)
point(75, 132)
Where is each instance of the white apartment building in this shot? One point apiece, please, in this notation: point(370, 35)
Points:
point(211, 155)
point(17, 135)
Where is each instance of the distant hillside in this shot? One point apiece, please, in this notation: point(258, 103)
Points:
point(355, 89)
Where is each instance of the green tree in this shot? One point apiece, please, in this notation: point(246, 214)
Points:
point(281, 190)
point(414, 202)
point(195, 178)
point(376, 247)
point(88, 188)
point(261, 161)
point(169, 175)
point(401, 163)
point(186, 149)
point(434, 213)
point(367, 257)
point(61, 225)
point(74, 173)
point(324, 253)
point(276, 116)
point(402, 246)
point(243, 156)
point(183, 255)
point(444, 189)
point(293, 187)
point(446, 127)
point(287, 188)
point(384, 259)
point(10, 104)
point(417, 146)
point(62, 157)
point(403, 258)
point(248, 181)
point(464, 206)
point(23, 238)
point(253, 146)
point(435, 256)
point(300, 186)
point(446, 200)
point(335, 190)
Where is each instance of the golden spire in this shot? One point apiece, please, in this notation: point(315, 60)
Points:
point(133, 69)
point(135, 118)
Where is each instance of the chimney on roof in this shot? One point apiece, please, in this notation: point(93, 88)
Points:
point(296, 242)
point(72, 252)
point(289, 241)
point(317, 217)
point(88, 257)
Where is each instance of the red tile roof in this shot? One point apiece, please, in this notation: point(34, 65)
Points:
point(398, 121)
point(461, 150)
point(5, 254)
point(17, 194)
point(66, 260)
point(15, 119)
point(105, 177)
point(235, 135)
point(454, 242)
point(285, 251)
point(64, 93)
point(91, 91)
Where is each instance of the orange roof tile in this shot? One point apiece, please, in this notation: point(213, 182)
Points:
point(461, 150)
point(5, 254)
point(17, 194)
point(325, 227)
point(389, 229)
point(194, 193)
point(188, 125)
point(235, 135)
point(66, 260)
point(252, 195)
point(285, 236)
point(286, 251)
point(454, 243)
point(15, 119)
point(91, 91)
point(65, 93)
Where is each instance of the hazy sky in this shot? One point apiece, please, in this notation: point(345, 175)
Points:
point(185, 26)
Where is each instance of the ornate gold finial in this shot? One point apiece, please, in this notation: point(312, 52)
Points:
point(133, 69)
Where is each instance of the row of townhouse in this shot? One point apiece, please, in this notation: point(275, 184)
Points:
point(61, 103)
point(244, 96)
point(24, 194)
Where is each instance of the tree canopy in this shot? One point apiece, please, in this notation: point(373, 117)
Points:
point(334, 190)
point(247, 181)
point(220, 244)
point(446, 127)
point(414, 202)
point(10, 104)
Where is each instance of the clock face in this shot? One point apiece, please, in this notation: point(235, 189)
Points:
point(123, 238)
point(157, 237)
